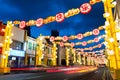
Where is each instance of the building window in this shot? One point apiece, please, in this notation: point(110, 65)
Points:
point(16, 45)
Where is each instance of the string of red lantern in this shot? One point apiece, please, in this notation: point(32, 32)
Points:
point(84, 9)
point(98, 51)
point(90, 48)
point(84, 43)
point(78, 36)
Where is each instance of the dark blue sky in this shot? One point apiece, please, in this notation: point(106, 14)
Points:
point(34, 9)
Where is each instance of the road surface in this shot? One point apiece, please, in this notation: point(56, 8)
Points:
point(99, 74)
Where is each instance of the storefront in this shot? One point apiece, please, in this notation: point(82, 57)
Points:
point(30, 51)
point(16, 58)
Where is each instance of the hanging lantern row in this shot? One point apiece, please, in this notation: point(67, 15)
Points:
point(90, 48)
point(78, 36)
point(94, 1)
point(84, 9)
point(84, 43)
point(93, 52)
point(98, 51)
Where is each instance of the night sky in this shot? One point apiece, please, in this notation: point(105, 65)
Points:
point(34, 9)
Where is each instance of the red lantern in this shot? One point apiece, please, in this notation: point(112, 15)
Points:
point(96, 39)
point(85, 8)
point(84, 43)
point(80, 36)
point(39, 22)
point(60, 17)
point(90, 48)
point(72, 44)
point(99, 45)
point(96, 32)
point(22, 24)
point(65, 38)
point(82, 50)
point(52, 38)
point(61, 44)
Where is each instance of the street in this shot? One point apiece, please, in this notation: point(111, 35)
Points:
point(59, 75)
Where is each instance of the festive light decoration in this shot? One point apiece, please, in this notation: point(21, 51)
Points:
point(82, 50)
point(72, 12)
point(94, 1)
point(22, 24)
point(80, 36)
point(65, 38)
point(72, 44)
point(61, 44)
point(52, 38)
point(60, 17)
point(96, 31)
point(93, 47)
point(85, 8)
point(98, 51)
point(39, 22)
point(90, 48)
point(96, 39)
point(84, 43)
point(99, 45)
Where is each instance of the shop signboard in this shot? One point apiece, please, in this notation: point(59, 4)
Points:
point(17, 53)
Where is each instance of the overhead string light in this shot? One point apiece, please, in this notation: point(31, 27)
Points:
point(91, 48)
point(84, 9)
point(91, 41)
point(84, 43)
point(79, 36)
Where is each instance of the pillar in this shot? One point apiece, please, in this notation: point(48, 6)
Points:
point(114, 59)
point(5, 49)
point(39, 51)
point(79, 58)
point(74, 55)
point(67, 56)
point(46, 57)
point(54, 54)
